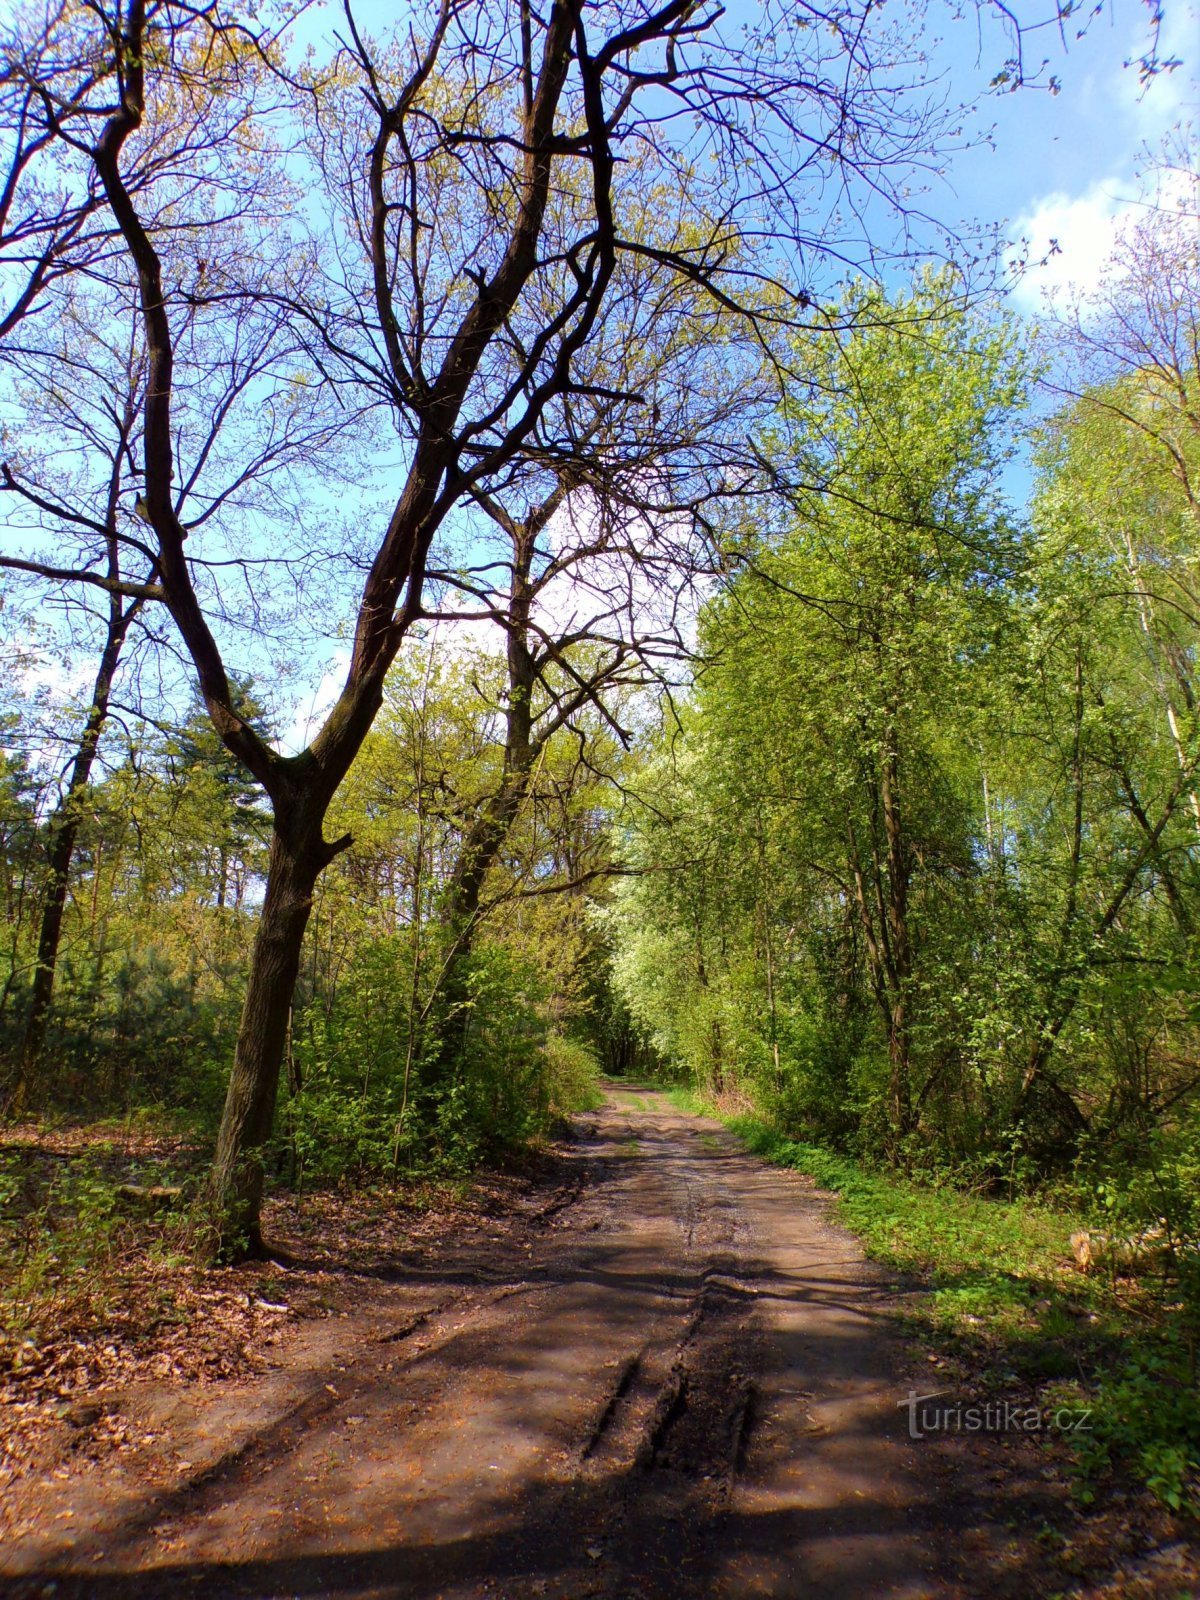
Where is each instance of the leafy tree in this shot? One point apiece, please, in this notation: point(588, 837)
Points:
point(1115, 638)
point(928, 862)
point(389, 1061)
point(865, 625)
point(97, 417)
point(473, 225)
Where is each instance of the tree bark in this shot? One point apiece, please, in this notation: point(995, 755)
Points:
point(486, 837)
point(899, 871)
point(63, 827)
point(886, 933)
point(236, 1183)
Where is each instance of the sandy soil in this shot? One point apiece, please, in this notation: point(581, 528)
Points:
point(665, 1374)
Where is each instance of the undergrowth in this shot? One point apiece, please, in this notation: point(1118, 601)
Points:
point(1006, 1296)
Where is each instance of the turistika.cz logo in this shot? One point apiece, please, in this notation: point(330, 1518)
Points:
point(934, 1413)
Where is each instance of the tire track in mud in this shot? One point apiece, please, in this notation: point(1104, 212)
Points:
point(642, 1404)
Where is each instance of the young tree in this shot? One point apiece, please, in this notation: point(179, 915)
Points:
point(200, 764)
point(1128, 457)
point(96, 416)
point(1117, 627)
point(842, 676)
point(893, 572)
point(73, 421)
point(469, 174)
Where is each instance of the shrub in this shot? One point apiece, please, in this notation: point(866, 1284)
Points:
point(572, 1075)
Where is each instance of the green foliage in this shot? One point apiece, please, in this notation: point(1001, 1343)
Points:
point(1028, 711)
point(60, 1237)
point(159, 922)
point(372, 1091)
point(1147, 1418)
point(138, 1032)
point(498, 1093)
point(1149, 1202)
point(572, 1076)
point(1002, 1286)
point(167, 882)
point(348, 1060)
point(921, 872)
point(806, 931)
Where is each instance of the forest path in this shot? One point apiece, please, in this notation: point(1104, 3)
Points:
point(677, 1379)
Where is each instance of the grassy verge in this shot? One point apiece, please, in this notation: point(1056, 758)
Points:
point(1008, 1305)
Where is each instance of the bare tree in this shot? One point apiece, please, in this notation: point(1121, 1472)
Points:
point(465, 227)
point(49, 224)
point(110, 429)
point(75, 423)
point(609, 532)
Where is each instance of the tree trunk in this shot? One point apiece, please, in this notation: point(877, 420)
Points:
point(236, 1183)
point(899, 869)
point(899, 1075)
point(1175, 666)
point(63, 830)
point(886, 933)
point(486, 837)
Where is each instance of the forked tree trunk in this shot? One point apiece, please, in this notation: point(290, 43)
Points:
point(442, 466)
point(236, 1183)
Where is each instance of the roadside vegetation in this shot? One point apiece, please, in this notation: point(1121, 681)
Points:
point(1013, 1312)
point(920, 882)
point(591, 619)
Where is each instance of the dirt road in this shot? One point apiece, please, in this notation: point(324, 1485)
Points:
point(673, 1377)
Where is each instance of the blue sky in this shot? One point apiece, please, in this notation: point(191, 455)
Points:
point(1059, 166)
point(1065, 166)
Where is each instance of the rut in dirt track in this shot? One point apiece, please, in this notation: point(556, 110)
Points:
point(680, 1385)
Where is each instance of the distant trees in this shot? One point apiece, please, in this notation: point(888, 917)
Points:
point(445, 1012)
point(425, 235)
point(835, 717)
point(926, 872)
point(147, 976)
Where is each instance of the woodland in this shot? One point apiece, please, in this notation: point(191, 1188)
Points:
point(530, 558)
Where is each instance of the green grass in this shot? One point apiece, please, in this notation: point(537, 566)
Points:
point(635, 1102)
point(1005, 1298)
point(985, 1260)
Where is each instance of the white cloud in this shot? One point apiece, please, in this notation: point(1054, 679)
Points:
point(1066, 242)
point(1065, 239)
